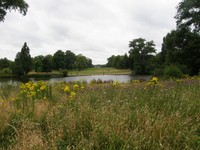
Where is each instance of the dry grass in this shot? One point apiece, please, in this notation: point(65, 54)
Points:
point(108, 116)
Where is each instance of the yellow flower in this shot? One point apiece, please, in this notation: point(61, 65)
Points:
point(22, 86)
point(82, 87)
point(43, 87)
point(75, 87)
point(72, 95)
point(31, 94)
point(67, 89)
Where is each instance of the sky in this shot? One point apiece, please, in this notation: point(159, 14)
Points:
point(97, 29)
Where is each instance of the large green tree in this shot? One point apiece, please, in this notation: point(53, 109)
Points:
point(182, 47)
point(37, 63)
point(141, 54)
point(23, 61)
point(59, 60)
point(47, 63)
point(70, 59)
point(8, 5)
point(188, 14)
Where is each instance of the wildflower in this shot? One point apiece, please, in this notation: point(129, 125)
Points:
point(31, 94)
point(116, 83)
point(153, 83)
point(82, 87)
point(72, 95)
point(135, 81)
point(43, 87)
point(67, 89)
point(75, 87)
point(22, 86)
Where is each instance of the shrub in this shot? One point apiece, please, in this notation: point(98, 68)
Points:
point(172, 72)
point(65, 73)
point(6, 71)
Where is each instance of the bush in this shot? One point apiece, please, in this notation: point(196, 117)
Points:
point(158, 72)
point(6, 71)
point(172, 72)
point(64, 73)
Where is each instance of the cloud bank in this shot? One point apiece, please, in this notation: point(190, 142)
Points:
point(94, 28)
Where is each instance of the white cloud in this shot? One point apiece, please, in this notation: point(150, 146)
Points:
point(95, 28)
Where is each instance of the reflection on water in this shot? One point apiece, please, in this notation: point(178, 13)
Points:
point(120, 78)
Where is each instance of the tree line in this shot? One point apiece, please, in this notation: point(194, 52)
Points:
point(180, 48)
point(60, 60)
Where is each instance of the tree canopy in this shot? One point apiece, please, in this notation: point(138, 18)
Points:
point(182, 47)
point(140, 55)
point(23, 61)
point(8, 5)
point(188, 14)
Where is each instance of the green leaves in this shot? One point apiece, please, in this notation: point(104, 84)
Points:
point(188, 14)
point(6, 5)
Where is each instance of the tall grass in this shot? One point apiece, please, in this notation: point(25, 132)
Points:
point(103, 116)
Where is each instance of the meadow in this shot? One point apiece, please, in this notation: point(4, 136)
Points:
point(100, 115)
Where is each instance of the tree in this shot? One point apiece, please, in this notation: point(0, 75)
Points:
point(47, 63)
point(141, 53)
point(23, 61)
point(59, 60)
point(70, 59)
point(5, 63)
point(37, 63)
point(188, 14)
point(8, 5)
point(182, 47)
point(81, 62)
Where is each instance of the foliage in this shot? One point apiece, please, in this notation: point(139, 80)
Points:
point(23, 61)
point(182, 47)
point(6, 71)
point(188, 14)
point(8, 5)
point(119, 62)
point(65, 73)
point(47, 63)
point(141, 54)
point(82, 62)
point(70, 59)
point(59, 60)
point(37, 63)
point(5, 63)
point(172, 72)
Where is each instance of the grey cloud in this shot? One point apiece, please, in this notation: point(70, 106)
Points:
point(95, 28)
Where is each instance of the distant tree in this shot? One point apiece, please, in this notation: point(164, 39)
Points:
point(37, 63)
point(182, 47)
point(188, 14)
point(47, 63)
point(23, 61)
point(59, 60)
point(70, 59)
point(5, 63)
point(81, 62)
point(141, 53)
point(89, 63)
point(119, 61)
point(8, 5)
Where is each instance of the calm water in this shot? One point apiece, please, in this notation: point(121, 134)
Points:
point(120, 78)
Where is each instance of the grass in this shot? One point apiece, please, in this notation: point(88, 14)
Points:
point(99, 71)
point(135, 115)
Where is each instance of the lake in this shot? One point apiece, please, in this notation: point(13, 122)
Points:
point(120, 78)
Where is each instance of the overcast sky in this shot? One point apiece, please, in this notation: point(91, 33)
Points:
point(94, 28)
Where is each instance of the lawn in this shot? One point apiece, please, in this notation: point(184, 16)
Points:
point(135, 115)
point(99, 71)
